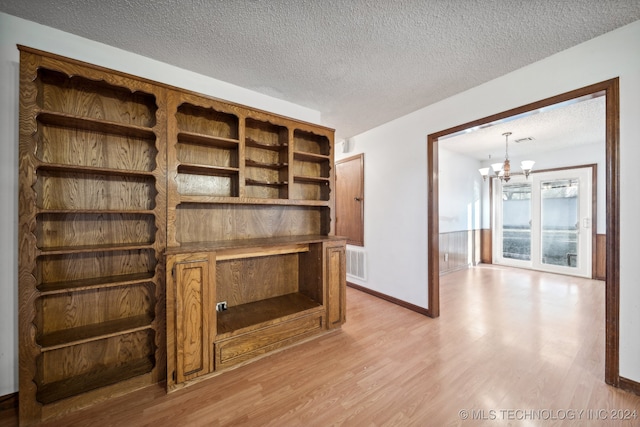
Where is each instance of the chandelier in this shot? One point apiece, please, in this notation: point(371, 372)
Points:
point(503, 170)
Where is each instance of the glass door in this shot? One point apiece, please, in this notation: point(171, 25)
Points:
point(560, 222)
point(545, 223)
point(514, 220)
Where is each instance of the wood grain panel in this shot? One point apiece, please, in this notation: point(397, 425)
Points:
point(74, 229)
point(237, 349)
point(486, 246)
point(258, 315)
point(306, 168)
point(336, 285)
point(206, 185)
point(193, 309)
point(63, 145)
point(266, 157)
point(242, 281)
point(70, 362)
point(259, 251)
point(207, 121)
point(201, 154)
point(265, 191)
point(201, 222)
point(601, 257)
point(58, 268)
point(75, 309)
point(265, 132)
point(311, 143)
point(310, 191)
point(69, 394)
point(80, 96)
point(69, 190)
point(310, 266)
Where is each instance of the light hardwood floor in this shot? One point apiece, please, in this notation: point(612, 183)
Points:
point(509, 345)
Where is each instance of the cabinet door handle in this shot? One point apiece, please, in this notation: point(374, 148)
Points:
point(357, 199)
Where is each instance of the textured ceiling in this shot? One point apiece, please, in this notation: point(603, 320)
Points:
point(361, 63)
point(564, 125)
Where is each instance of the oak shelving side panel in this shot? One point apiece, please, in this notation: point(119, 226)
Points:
point(196, 222)
point(92, 214)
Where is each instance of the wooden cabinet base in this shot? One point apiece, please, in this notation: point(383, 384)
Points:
point(237, 349)
point(289, 344)
point(257, 296)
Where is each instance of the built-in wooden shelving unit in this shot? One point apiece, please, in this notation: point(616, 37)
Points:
point(142, 207)
point(92, 221)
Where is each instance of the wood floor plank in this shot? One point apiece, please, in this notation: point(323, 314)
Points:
point(507, 340)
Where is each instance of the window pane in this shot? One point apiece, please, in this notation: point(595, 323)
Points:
point(560, 222)
point(516, 221)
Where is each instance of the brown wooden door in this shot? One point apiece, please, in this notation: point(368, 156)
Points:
point(350, 199)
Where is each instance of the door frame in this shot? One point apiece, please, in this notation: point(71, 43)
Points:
point(611, 89)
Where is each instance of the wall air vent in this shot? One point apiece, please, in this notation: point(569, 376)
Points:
point(529, 138)
point(356, 263)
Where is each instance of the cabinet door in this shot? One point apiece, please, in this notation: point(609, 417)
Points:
point(191, 337)
point(336, 285)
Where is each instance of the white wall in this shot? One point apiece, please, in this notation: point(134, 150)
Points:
point(585, 155)
point(396, 169)
point(15, 31)
point(460, 190)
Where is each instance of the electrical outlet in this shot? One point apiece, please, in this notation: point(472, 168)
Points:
point(221, 306)
point(446, 257)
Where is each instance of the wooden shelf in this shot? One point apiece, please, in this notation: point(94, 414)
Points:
point(95, 211)
point(87, 333)
point(254, 164)
point(250, 201)
point(311, 142)
point(54, 118)
point(257, 144)
point(255, 314)
point(244, 244)
point(94, 283)
point(94, 248)
point(51, 167)
point(311, 179)
point(53, 392)
point(207, 169)
point(310, 157)
point(249, 181)
point(201, 139)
